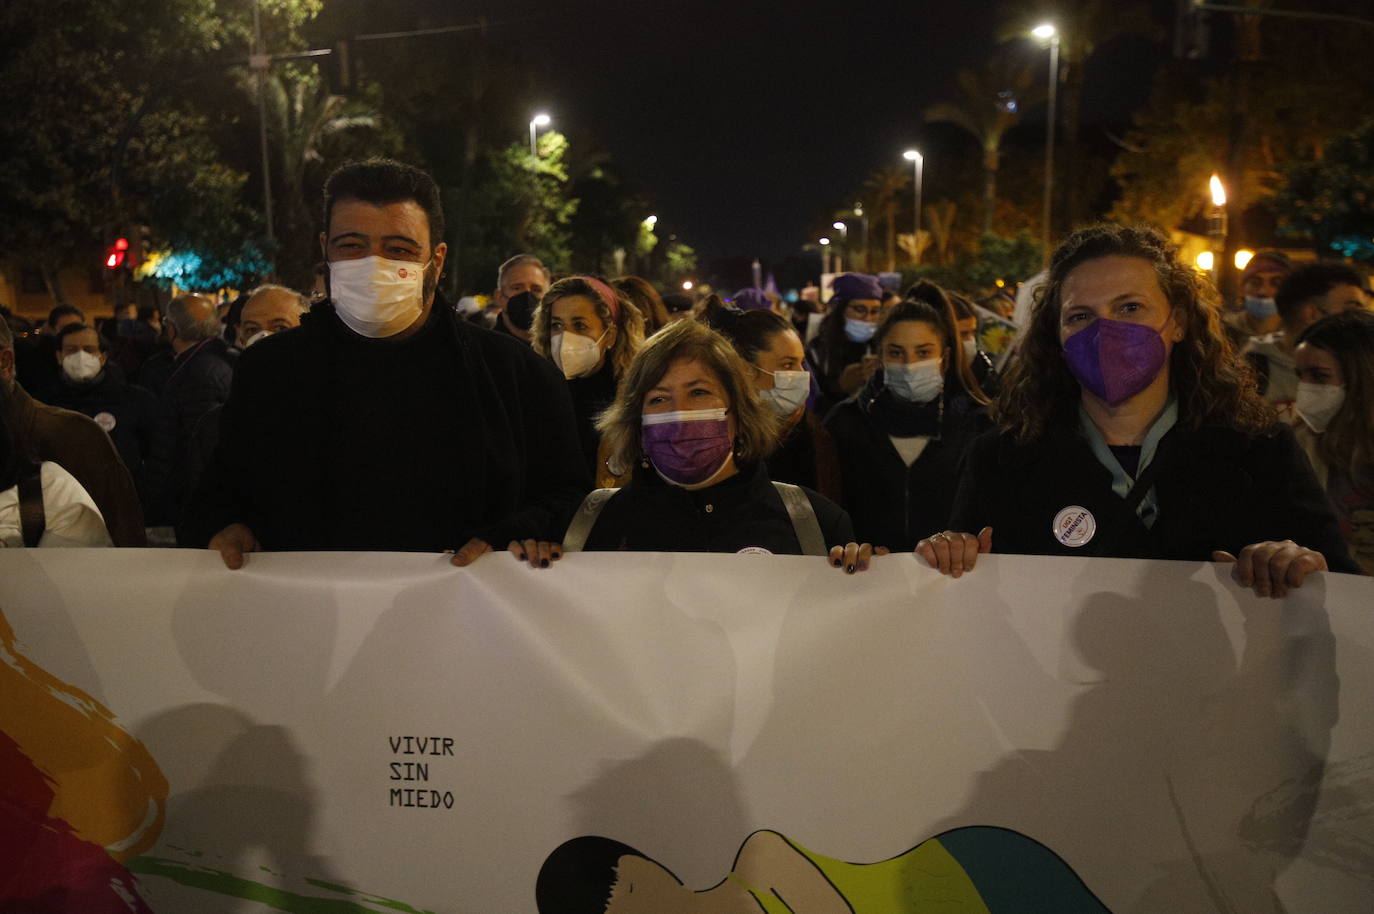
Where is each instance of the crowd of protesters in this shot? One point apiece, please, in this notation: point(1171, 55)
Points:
point(1121, 409)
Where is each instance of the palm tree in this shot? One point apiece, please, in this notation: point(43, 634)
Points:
point(303, 113)
point(884, 187)
point(989, 102)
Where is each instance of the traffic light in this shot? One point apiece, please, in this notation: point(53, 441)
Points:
point(116, 254)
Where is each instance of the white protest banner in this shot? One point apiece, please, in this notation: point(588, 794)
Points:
point(377, 732)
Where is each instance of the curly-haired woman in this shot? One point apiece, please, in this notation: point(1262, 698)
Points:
point(1129, 427)
point(591, 332)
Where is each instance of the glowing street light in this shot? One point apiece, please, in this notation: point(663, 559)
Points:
point(1046, 32)
point(918, 162)
point(651, 221)
point(1206, 260)
point(825, 255)
point(539, 120)
point(1243, 258)
point(1218, 191)
point(686, 285)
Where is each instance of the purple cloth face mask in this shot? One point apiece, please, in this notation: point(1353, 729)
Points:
point(687, 447)
point(1115, 359)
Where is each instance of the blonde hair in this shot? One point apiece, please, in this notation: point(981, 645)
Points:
point(756, 426)
point(629, 325)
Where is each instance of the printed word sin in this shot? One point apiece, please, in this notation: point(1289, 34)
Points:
point(421, 799)
point(409, 771)
point(421, 745)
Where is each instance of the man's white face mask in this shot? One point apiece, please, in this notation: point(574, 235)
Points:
point(376, 297)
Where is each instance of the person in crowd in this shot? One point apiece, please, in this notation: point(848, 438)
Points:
point(34, 364)
point(269, 309)
point(1256, 313)
point(520, 283)
point(772, 349)
point(201, 375)
point(591, 333)
point(841, 353)
point(679, 306)
point(687, 421)
point(902, 439)
point(94, 386)
point(1335, 401)
point(1129, 427)
point(79, 446)
point(971, 320)
point(409, 428)
point(640, 293)
point(1307, 294)
point(41, 504)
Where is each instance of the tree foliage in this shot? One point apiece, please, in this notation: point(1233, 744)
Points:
point(1332, 200)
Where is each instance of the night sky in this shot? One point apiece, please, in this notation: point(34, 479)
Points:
point(748, 124)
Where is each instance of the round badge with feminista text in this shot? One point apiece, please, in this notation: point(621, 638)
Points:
point(1074, 526)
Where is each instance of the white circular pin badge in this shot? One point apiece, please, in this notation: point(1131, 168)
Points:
point(754, 550)
point(1074, 526)
point(105, 421)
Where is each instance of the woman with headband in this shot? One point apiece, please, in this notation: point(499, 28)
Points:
point(591, 333)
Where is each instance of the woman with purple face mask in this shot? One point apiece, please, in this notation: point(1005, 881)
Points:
point(1129, 427)
point(688, 426)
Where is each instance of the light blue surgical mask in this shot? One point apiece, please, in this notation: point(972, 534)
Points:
point(1261, 309)
point(919, 382)
point(858, 331)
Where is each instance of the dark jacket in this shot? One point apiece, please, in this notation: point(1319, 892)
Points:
point(892, 504)
point(828, 359)
point(200, 380)
point(742, 512)
point(84, 450)
point(332, 441)
point(127, 412)
point(806, 456)
point(1217, 488)
point(590, 396)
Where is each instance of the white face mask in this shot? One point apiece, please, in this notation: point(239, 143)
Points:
point(971, 349)
point(81, 365)
point(858, 331)
point(260, 335)
point(789, 393)
point(575, 354)
point(376, 297)
point(919, 382)
point(1318, 404)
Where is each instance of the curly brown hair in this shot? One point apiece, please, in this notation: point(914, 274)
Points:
point(629, 328)
point(1213, 383)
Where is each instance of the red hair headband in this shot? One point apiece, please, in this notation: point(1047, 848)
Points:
point(607, 295)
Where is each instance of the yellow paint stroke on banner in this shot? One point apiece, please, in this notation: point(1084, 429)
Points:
point(106, 785)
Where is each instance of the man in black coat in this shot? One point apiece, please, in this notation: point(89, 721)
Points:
point(201, 373)
point(385, 421)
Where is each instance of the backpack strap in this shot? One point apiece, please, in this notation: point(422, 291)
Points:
point(803, 517)
point(33, 520)
point(585, 519)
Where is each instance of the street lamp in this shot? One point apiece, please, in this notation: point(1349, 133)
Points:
point(539, 120)
point(825, 255)
point(844, 244)
point(651, 221)
point(1049, 34)
point(918, 161)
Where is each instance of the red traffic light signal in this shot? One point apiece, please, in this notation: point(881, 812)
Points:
point(116, 253)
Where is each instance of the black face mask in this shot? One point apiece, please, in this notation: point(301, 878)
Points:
point(520, 309)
